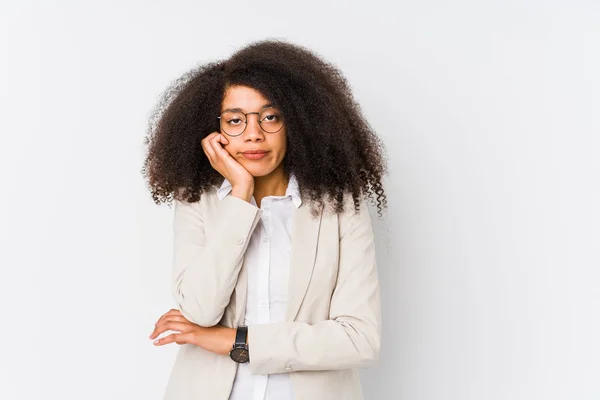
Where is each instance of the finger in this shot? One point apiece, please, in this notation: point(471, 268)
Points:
point(210, 136)
point(157, 330)
point(172, 311)
point(208, 150)
point(182, 327)
point(161, 327)
point(179, 338)
point(216, 145)
point(169, 314)
point(176, 317)
point(217, 139)
point(174, 337)
point(223, 139)
point(177, 326)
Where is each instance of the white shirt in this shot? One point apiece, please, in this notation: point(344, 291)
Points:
point(268, 258)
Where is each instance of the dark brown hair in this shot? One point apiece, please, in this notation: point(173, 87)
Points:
point(331, 149)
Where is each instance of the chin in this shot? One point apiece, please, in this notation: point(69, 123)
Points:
point(257, 172)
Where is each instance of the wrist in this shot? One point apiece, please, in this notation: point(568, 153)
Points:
point(240, 350)
point(228, 340)
point(243, 192)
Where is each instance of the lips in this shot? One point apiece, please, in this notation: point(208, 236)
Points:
point(255, 152)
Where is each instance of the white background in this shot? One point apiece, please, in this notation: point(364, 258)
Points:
point(490, 114)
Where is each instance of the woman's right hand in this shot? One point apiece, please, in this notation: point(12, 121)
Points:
point(241, 180)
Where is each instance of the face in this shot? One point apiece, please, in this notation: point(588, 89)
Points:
point(246, 99)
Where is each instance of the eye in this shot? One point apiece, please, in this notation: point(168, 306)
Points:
point(234, 121)
point(271, 118)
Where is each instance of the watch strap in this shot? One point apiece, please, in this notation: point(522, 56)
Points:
point(241, 334)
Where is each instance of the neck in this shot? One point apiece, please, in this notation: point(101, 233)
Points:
point(274, 184)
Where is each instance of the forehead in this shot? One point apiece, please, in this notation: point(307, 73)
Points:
point(243, 97)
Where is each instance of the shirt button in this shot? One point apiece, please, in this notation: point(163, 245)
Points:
point(267, 208)
point(287, 368)
point(265, 240)
point(240, 241)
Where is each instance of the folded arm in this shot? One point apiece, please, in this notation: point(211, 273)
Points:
point(351, 336)
point(206, 267)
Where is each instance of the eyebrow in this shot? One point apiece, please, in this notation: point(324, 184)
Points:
point(240, 110)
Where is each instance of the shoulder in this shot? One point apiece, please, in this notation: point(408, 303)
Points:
point(208, 200)
point(350, 217)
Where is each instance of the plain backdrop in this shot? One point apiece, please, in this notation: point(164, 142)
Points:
point(489, 111)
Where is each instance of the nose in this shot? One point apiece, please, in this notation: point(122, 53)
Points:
point(253, 130)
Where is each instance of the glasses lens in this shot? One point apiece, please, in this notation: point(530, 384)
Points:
point(233, 123)
point(271, 120)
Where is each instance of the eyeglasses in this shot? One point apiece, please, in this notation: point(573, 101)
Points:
point(234, 123)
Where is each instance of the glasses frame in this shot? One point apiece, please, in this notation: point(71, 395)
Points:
point(246, 123)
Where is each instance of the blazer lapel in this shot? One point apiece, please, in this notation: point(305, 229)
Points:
point(305, 234)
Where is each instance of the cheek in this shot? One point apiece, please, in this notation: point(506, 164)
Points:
point(230, 149)
point(282, 145)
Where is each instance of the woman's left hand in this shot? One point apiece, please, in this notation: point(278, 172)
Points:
point(218, 339)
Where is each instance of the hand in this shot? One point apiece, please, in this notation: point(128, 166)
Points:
point(218, 339)
point(224, 163)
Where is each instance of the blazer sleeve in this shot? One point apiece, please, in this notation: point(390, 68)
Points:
point(351, 336)
point(206, 267)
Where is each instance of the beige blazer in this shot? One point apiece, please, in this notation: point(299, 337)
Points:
point(333, 321)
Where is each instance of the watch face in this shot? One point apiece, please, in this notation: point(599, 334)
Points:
point(239, 354)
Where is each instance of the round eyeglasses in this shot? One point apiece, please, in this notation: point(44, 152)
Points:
point(234, 123)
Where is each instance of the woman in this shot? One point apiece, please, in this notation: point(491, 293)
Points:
point(269, 162)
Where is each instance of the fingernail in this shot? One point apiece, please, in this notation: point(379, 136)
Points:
point(156, 342)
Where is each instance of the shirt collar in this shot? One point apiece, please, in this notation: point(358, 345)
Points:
point(292, 190)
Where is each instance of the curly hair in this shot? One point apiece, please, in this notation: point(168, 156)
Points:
point(331, 149)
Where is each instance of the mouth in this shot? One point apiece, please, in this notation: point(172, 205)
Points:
point(254, 154)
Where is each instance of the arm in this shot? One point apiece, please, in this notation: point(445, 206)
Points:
point(206, 268)
point(351, 336)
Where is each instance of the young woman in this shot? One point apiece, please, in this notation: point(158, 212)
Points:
point(269, 162)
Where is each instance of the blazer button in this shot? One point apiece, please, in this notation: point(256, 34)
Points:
point(240, 241)
point(287, 368)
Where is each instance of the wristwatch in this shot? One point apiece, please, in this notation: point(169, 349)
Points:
point(239, 351)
